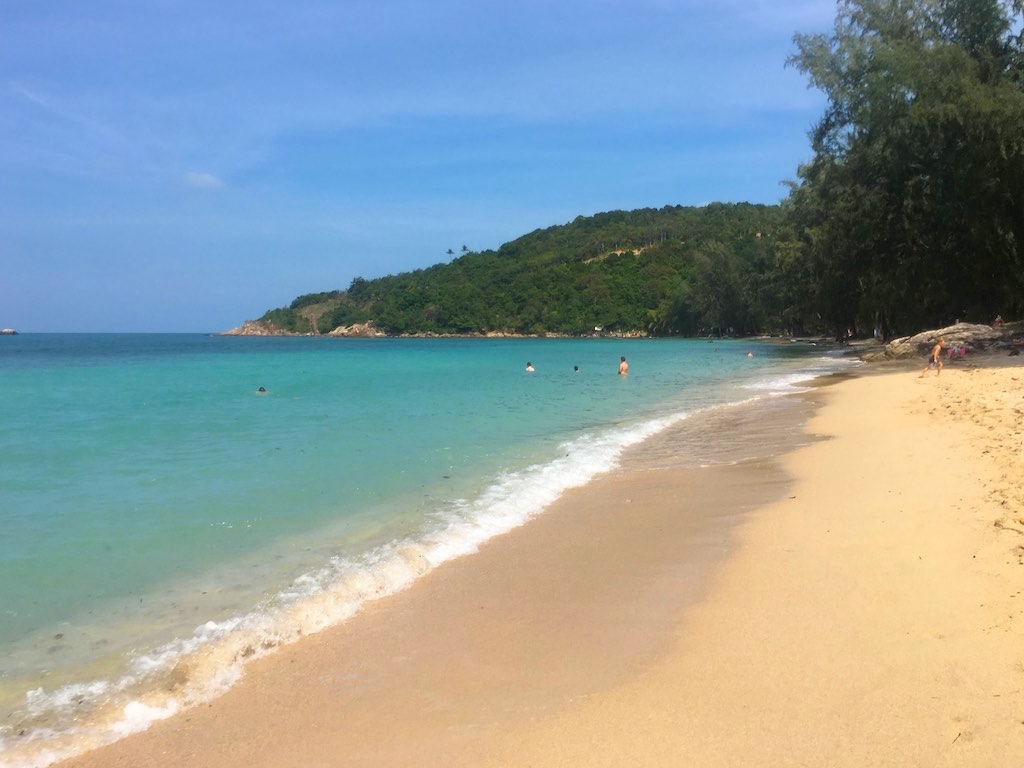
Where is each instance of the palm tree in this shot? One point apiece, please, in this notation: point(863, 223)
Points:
point(450, 254)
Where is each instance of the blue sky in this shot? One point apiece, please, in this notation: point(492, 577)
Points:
point(184, 166)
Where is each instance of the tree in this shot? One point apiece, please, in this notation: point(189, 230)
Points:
point(717, 289)
point(910, 211)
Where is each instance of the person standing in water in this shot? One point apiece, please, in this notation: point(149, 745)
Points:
point(623, 366)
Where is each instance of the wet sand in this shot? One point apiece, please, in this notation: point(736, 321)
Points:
point(848, 601)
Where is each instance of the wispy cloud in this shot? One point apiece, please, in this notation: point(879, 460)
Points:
point(31, 96)
point(202, 180)
point(371, 136)
point(59, 130)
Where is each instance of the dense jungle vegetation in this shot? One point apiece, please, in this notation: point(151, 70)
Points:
point(910, 213)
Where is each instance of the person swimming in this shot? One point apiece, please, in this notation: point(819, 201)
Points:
point(529, 367)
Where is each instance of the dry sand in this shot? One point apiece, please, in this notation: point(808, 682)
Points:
point(867, 612)
point(872, 618)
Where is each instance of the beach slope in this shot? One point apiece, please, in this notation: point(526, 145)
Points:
point(858, 601)
point(873, 617)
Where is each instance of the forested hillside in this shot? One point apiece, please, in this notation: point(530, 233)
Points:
point(671, 270)
point(909, 214)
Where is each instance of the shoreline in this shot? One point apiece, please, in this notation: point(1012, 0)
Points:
point(873, 617)
point(520, 702)
point(65, 719)
point(539, 549)
point(258, 329)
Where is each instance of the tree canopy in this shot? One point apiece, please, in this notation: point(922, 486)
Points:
point(911, 212)
point(649, 271)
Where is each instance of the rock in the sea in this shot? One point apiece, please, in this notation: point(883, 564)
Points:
point(969, 335)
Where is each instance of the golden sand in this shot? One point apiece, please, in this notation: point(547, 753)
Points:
point(874, 617)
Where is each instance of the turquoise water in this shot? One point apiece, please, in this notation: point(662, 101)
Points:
point(155, 505)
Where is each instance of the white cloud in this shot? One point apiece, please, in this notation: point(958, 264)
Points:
point(202, 180)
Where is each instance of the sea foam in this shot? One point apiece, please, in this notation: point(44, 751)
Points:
point(207, 663)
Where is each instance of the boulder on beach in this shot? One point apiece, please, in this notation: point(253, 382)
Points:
point(971, 336)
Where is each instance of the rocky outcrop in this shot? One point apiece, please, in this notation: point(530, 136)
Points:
point(256, 328)
point(974, 338)
point(358, 330)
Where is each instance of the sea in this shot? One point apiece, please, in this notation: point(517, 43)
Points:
point(172, 506)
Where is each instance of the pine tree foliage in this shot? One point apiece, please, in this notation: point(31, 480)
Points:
point(911, 212)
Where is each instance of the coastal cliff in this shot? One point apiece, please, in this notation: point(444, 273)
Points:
point(264, 328)
point(357, 330)
point(258, 328)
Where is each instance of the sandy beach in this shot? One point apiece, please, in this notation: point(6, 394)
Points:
point(845, 587)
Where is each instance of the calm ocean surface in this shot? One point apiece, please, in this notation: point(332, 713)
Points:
point(162, 520)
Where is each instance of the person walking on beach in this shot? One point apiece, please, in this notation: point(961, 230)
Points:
point(623, 366)
point(934, 358)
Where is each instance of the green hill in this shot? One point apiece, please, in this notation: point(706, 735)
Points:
point(907, 216)
point(658, 271)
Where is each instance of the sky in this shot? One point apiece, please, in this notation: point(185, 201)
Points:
point(183, 166)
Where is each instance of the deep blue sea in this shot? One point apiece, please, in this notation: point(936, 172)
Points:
point(163, 520)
